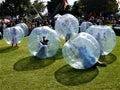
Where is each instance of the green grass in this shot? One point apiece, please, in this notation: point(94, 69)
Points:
point(19, 70)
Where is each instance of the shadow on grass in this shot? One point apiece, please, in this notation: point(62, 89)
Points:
point(32, 63)
point(7, 49)
point(110, 58)
point(71, 77)
point(58, 54)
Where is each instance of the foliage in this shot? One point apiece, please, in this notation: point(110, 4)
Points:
point(20, 7)
point(15, 7)
point(97, 7)
point(76, 9)
point(37, 6)
point(56, 6)
point(51, 5)
point(112, 6)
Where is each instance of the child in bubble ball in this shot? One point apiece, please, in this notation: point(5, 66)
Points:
point(87, 56)
point(14, 37)
point(42, 51)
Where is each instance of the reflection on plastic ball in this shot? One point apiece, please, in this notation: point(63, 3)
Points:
point(81, 51)
point(24, 27)
point(84, 26)
point(67, 24)
point(43, 42)
point(105, 36)
point(0, 35)
point(8, 34)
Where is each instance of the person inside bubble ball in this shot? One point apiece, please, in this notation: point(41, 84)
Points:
point(68, 36)
point(42, 51)
point(44, 42)
point(87, 57)
point(99, 63)
point(14, 37)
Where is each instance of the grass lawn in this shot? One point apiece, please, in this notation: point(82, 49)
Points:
point(19, 70)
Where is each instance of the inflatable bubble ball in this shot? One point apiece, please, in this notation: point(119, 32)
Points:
point(67, 25)
point(84, 26)
point(105, 36)
point(43, 42)
point(24, 27)
point(82, 51)
point(9, 33)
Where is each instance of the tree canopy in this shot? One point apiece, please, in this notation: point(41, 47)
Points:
point(81, 7)
point(20, 7)
point(15, 7)
point(56, 6)
point(98, 6)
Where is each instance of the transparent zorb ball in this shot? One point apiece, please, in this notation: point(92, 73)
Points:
point(24, 27)
point(67, 24)
point(105, 36)
point(8, 34)
point(85, 25)
point(43, 42)
point(82, 51)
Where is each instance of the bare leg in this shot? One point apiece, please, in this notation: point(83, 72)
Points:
point(102, 64)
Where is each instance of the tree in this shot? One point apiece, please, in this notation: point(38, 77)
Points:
point(39, 6)
point(36, 8)
point(20, 7)
point(98, 6)
point(112, 7)
point(56, 6)
point(15, 7)
point(76, 9)
point(2, 10)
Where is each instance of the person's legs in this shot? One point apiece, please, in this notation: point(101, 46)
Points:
point(16, 45)
point(102, 64)
point(12, 45)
